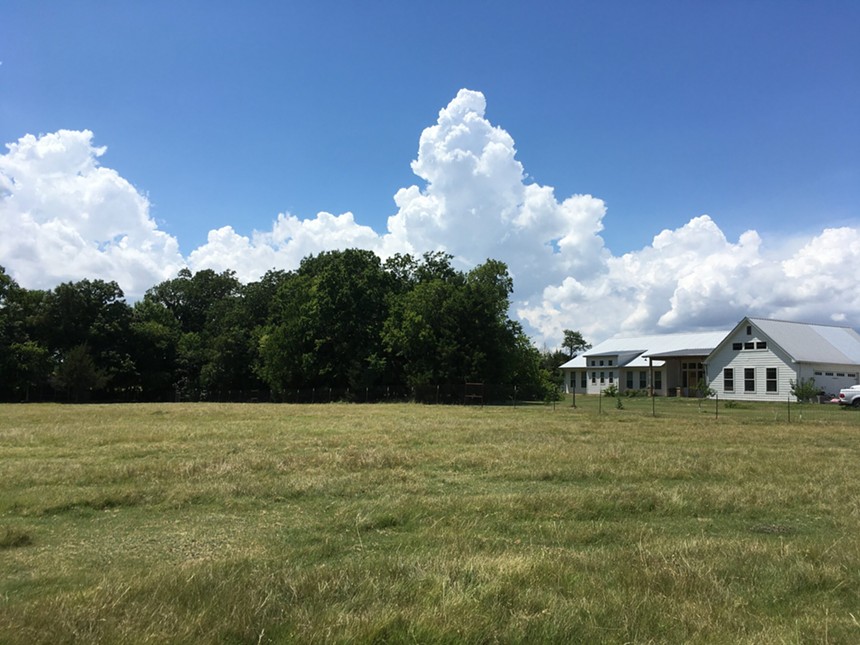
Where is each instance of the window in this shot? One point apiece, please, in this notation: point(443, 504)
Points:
point(818, 373)
point(728, 380)
point(828, 373)
point(643, 380)
point(749, 345)
point(593, 362)
point(584, 382)
point(629, 379)
point(611, 376)
point(610, 362)
point(761, 345)
point(852, 375)
point(749, 379)
point(839, 374)
point(601, 363)
point(749, 330)
point(737, 346)
point(594, 377)
point(602, 377)
point(658, 380)
point(770, 379)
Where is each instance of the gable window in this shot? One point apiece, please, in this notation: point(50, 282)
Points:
point(749, 345)
point(749, 330)
point(761, 344)
point(737, 346)
point(629, 379)
point(749, 379)
point(770, 379)
point(729, 379)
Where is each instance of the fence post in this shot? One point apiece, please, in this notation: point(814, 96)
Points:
point(788, 402)
point(716, 406)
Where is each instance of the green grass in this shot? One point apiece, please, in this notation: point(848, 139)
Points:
point(211, 523)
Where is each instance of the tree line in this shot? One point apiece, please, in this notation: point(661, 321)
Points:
point(343, 320)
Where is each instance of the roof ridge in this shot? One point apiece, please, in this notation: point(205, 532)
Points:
point(797, 322)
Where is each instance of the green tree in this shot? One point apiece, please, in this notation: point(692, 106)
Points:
point(31, 366)
point(77, 374)
point(325, 323)
point(574, 343)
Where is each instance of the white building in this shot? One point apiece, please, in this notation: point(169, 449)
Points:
point(671, 364)
point(759, 358)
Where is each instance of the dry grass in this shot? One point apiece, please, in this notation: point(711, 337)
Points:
point(390, 523)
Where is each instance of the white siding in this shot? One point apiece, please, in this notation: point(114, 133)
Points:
point(756, 359)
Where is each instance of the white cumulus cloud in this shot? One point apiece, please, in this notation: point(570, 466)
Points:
point(63, 216)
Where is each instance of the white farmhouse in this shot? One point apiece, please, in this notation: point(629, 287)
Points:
point(671, 364)
point(759, 358)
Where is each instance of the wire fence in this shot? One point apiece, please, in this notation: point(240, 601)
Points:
point(483, 394)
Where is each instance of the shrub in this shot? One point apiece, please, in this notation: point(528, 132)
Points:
point(804, 390)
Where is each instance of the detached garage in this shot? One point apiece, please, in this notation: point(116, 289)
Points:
point(760, 358)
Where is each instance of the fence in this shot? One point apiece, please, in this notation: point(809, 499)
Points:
point(479, 394)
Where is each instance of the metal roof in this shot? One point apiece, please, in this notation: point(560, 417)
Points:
point(809, 343)
point(634, 351)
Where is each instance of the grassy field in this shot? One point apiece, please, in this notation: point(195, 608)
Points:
point(209, 523)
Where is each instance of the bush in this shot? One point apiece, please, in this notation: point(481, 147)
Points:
point(804, 390)
point(612, 390)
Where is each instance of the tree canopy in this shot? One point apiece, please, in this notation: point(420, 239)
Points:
point(343, 320)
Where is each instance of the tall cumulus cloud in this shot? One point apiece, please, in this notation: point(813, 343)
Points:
point(65, 217)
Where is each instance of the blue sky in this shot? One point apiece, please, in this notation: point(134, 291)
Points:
point(227, 114)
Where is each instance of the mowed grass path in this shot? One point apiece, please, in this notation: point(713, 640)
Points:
point(208, 523)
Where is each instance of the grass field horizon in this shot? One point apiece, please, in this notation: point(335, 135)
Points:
point(217, 523)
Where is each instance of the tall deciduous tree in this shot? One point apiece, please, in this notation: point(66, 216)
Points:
point(325, 323)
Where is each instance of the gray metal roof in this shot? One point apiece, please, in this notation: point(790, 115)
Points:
point(809, 343)
point(634, 350)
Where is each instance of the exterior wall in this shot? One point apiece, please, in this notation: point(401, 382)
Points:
point(612, 375)
point(757, 359)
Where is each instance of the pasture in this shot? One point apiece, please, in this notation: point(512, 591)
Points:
point(219, 523)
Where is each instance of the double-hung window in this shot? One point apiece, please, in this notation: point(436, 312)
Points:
point(749, 379)
point(728, 379)
point(770, 384)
